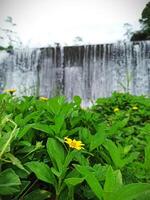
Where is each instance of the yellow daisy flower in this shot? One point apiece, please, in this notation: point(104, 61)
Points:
point(135, 108)
point(44, 98)
point(74, 143)
point(116, 109)
point(11, 91)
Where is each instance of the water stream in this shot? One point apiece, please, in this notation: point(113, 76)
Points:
point(89, 71)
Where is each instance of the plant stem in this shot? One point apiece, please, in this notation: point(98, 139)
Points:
point(24, 193)
point(9, 140)
point(58, 190)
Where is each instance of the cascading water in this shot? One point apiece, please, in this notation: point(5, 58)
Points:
point(19, 70)
point(90, 71)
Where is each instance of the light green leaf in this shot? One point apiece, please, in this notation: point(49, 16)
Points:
point(115, 153)
point(33, 115)
point(77, 100)
point(147, 157)
point(24, 130)
point(9, 182)
point(113, 181)
point(6, 140)
point(91, 180)
point(85, 135)
point(56, 153)
point(73, 181)
point(15, 161)
point(42, 171)
point(44, 128)
point(69, 158)
point(59, 121)
point(38, 195)
point(131, 191)
point(127, 149)
point(98, 138)
point(3, 141)
point(55, 172)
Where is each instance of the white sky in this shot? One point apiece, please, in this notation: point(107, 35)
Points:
point(42, 22)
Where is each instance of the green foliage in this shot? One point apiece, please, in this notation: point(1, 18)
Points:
point(38, 195)
point(143, 34)
point(42, 171)
point(56, 153)
point(36, 163)
point(91, 180)
point(9, 182)
point(145, 20)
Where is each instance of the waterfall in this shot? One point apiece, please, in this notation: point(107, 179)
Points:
point(89, 71)
point(19, 70)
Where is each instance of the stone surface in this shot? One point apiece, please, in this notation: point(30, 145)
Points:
point(90, 71)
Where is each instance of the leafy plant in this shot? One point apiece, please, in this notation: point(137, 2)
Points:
point(54, 149)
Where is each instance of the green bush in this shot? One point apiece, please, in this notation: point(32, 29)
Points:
point(54, 149)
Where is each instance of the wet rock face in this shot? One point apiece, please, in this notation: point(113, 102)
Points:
point(90, 71)
point(19, 71)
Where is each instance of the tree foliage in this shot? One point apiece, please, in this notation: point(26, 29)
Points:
point(145, 20)
point(144, 33)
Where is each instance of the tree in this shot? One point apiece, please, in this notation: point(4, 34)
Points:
point(145, 20)
point(8, 36)
point(144, 33)
point(128, 31)
point(78, 41)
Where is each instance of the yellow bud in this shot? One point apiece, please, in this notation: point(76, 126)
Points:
point(116, 109)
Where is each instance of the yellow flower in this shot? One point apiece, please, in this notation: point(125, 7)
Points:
point(44, 98)
point(135, 108)
point(74, 143)
point(116, 109)
point(11, 91)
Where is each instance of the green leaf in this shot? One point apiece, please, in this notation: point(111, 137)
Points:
point(113, 181)
point(19, 120)
point(85, 135)
point(147, 157)
point(42, 171)
point(131, 191)
point(3, 141)
point(55, 172)
point(24, 143)
point(6, 140)
point(115, 153)
point(59, 121)
point(77, 100)
point(127, 149)
point(33, 115)
point(43, 127)
point(144, 196)
point(98, 138)
point(100, 171)
point(56, 153)
point(91, 180)
point(54, 105)
point(22, 121)
point(69, 157)
point(24, 130)
point(15, 161)
point(82, 160)
point(118, 125)
point(9, 182)
point(73, 181)
point(38, 195)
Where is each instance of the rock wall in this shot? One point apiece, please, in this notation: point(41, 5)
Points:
point(90, 71)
